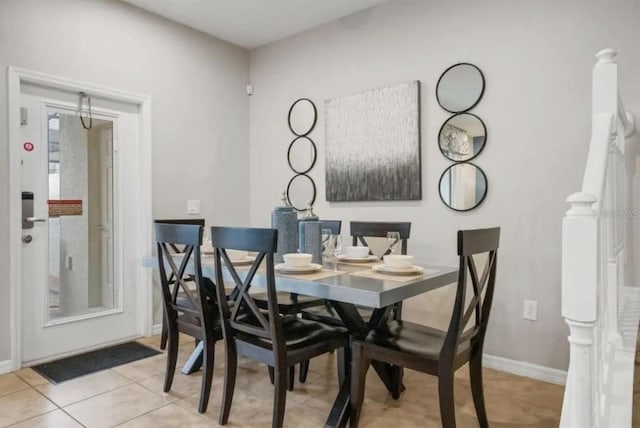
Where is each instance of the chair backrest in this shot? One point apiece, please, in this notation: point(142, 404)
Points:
point(240, 313)
point(376, 229)
point(470, 244)
point(193, 221)
point(198, 302)
point(335, 226)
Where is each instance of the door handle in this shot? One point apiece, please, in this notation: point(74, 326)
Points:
point(35, 219)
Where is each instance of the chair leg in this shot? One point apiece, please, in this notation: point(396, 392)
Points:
point(291, 377)
point(172, 357)
point(475, 374)
point(271, 375)
point(397, 376)
point(304, 371)
point(344, 364)
point(447, 403)
point(164, 335)
point(230, 367)
point(359, 367)
point(207, 376)
point(280, 396)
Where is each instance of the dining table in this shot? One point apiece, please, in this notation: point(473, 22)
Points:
point(347, 286)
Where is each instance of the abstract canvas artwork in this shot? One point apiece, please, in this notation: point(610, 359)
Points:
point(373, 145)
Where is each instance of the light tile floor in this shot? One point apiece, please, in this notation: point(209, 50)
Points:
point(131, 396)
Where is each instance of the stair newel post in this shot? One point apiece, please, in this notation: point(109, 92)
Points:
point(580, 251)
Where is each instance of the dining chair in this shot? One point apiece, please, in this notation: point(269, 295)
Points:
point(277, 340)
point(194, 221)
point(360, 230)
point(292, 303)
point(436, 352)
point(188, 309)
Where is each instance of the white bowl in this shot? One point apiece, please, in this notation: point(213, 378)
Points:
point(297, 259)
point(398, 261)
point(356, 252)
point(236, 255)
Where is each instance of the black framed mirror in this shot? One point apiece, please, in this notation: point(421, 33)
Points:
point(302, 155)
point(301, 191)
point(302, 117)
point(463, 186)
point(460, 87)
point(462, 137)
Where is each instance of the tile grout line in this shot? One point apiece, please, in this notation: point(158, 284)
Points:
point(143, 414)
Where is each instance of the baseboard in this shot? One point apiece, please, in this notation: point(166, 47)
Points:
point(6, 367)
point(156, 329)
point(523, 368)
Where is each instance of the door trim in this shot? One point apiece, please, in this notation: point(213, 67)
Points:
point(143, 237)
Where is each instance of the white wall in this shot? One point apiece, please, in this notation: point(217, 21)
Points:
point(196, 82)
point(537, 59)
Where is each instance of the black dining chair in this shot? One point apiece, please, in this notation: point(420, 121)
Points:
point(277, 340)
point(292, 303)
point(436, 352)
point(360, 230)
point(188, 299)
point(176, 249)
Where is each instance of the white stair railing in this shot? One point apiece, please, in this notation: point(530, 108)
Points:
point(593, 253)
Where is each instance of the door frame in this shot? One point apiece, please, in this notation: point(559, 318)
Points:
point(142, 239)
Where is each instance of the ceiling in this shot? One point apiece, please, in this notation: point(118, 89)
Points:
point(252, 23)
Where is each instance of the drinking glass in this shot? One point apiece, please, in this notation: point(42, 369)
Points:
point(337, 249)
point(326, 244)
point(394, 239)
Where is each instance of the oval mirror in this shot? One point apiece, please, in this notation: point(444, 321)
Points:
point(302, 117)
point(460, 87)
point(302, 154)
point(462, 137)
point(463, 186)
point(301, 191)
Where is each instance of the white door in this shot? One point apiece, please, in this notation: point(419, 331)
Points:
point(78, 283)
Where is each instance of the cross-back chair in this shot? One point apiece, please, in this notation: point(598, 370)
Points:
point(360, 230)
point(436, 352)
point(292, 303)
point(175, 249)
point(188, 300)
point(278, 340)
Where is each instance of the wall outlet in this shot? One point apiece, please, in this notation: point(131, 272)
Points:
point(193, 206)
point(530, 311)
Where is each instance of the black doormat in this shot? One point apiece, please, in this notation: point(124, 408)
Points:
point(90, 362)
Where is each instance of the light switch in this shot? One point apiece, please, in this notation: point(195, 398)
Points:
point(193, 206)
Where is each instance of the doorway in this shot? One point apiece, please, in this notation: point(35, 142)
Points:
point(83, 220)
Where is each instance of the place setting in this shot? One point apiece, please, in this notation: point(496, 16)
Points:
point(357, 255)
point(300, 265)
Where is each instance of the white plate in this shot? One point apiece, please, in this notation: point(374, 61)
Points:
point(345, 258)
point(244, 261)
point(311, 267)
point(411, 270)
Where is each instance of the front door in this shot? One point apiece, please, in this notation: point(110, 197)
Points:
point(74, 293)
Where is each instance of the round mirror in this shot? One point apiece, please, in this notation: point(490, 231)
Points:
point(302, 154)
point(301, 191)
point(460, 87)
point(463, 186)
point(302, 117)
point(462, 137)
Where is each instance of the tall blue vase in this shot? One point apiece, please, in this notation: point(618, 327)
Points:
point(285, 220)
point(310, 236)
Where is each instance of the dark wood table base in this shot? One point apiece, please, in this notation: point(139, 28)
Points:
point(391, 376)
